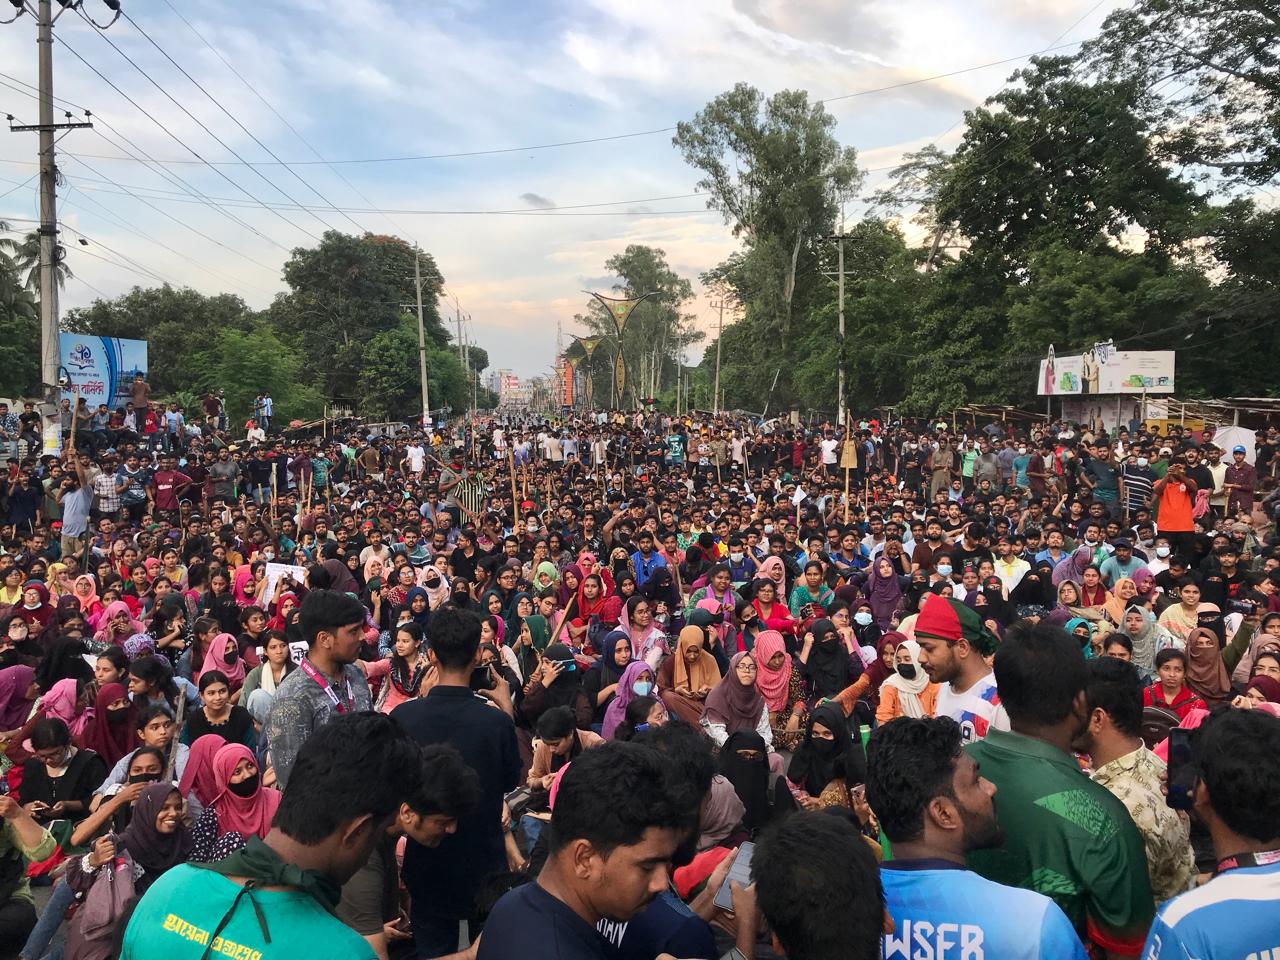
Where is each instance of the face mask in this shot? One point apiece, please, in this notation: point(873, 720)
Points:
point(269, 554)
point(641, 688)
point(828, 642)
point(862, 618)
point(944, 569)
point(144, 777)
point(825, 748)
point(1162, 551)
point(736, 557)
point(229, 658)
point(245, 788)
point(118, 715)
point(907, 671)
point(1142, 461)
point(768, 528)
point(1022, 451)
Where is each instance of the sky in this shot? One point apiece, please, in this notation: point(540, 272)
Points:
point(518, 231)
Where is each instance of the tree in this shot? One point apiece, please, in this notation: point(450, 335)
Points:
point(390, 385)
point(19, 334)
point(245, 362)
point(26, 257)
point(180, 326)
point(775, 172)
point(1212, 72)
point(343, 294)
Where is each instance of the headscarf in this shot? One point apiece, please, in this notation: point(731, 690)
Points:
point(419, 618)
point(1261, 643)
point(440, 592)
point(371, 580)
point(215, 659)
point(996, 608)
point(1087, 648)
point(139, 645)
point(617, 708)
point(1144, 580)
point(1034, 591)
point(150, 849)
point(564, 593)
point(1115, 606)
point(750, 778)
point(884, 593)
point(812, 768)
point(539, 634)
point(736, 705)
point(606, 664)
point(721, 812)
point(703, 672)
point(564, 688)
point(247, 816)
point(340, 577)
point(88, 601)
point(604, 606)
point(828, 666)
point(1073, 566)
point(242, 585)
point(774, 685)
point(877, 673)
point(549, 569)
point(63, 659)
point(772, 568)
point(1269, 687)
point(110, 634)
point(14, 705)
point(1144, 644)
point(61, 701)
point(1206, 673)
point(197, 776)
point(909, 690)
point(510, 615)
point(277, 621)
point(109, 740)
point(38, 615)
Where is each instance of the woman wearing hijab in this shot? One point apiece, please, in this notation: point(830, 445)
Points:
point(744, 762)
point(197, 777)
point(64, 659)
point(734, 704)
point(779, 683)
point(85, 590)
point(567, 589)
point(117, 624)
point(1123, 595)
point(35, 607)
point(1032, 597)
point(529, 640)
point(688, 676)
point(223, 655)
point(1206, 673)
point(1261, 693)
point(994, 605)
point(773, 568)
point(1073, 566)
point(827, 665)
point(109, 733)
point(241, 807)
point(637, 681)
point(648, 641)
point(417, 602)
point(1266, 640)
point(17, 694)
point(436, 585)
point(556, 682)
point(828, 764)
point(156, 840)
point(67, 701)
point(340, 577)
point(601, 682)
point(907, 692)
point(242, 584)
point(1148, 638)
point(882, 586)
point(660, 588)
point(460, 595)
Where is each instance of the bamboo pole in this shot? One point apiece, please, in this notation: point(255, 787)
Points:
point(515, 499)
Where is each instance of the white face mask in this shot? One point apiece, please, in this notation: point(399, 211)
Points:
point(1162, 551)
point(944, 569)
point(768, 528)
point(1022, 451)
point(1142, 461)
point(862, 618)
point(736, 557)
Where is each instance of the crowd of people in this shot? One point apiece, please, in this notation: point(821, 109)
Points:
point(626, 685)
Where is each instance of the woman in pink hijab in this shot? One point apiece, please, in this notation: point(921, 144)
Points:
point(241, 807)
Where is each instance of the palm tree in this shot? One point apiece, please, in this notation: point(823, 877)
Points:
point(26, 257)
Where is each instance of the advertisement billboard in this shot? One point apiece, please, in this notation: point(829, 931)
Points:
point(101, 367)
point(1107, 372)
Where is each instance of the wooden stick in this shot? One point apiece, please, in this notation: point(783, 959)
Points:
point(846, 496)
point(565, 618)
point(515, 500)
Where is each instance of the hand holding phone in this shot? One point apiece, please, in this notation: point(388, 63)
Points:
point(739, 873)
point(1181, 771)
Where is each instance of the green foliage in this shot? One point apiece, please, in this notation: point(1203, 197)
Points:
point(390, 383)
point(243, 363)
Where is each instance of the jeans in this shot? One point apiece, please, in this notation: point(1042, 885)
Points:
point(532, 828)
point(46, 927)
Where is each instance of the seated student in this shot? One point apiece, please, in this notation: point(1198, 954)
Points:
point(450, 789)
point(558, 744)
point(1170, 692)
point(219, 715)
point(22, 841)
point(154, 727)
point(934, 807)
point(615, 826)
point(241, 806)
point(345, 788)
point(817, 887)
point(58, 779)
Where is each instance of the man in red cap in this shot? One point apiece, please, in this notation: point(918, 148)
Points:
point(954, 647)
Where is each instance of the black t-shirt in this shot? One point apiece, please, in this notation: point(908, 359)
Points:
point(666, 925)
point(528, 921)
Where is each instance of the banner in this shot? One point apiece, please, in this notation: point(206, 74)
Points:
point(102, 367)
point(1107, 372)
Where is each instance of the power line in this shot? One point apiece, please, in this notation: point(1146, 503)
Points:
point(237, 122)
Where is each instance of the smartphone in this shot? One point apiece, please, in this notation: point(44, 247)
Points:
point(1182, 774)
point(482, 678)
point(739, 873)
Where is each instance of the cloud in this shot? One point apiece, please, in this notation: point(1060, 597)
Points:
point(537, 200)
point(839, 22)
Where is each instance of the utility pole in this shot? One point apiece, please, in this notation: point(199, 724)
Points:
point(840, 341)
point(422, 344)
point(457, 307)
point(715, 390)
point(50, 251)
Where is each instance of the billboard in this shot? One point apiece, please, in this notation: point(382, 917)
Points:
point(1107, 372)
point(101, 367)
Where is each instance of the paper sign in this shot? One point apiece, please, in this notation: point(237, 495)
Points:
point(277, 570)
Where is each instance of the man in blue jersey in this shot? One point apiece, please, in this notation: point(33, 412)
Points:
point(1237, 913)
point(935, 807)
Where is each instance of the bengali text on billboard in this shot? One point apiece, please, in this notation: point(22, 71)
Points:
point(101, 367)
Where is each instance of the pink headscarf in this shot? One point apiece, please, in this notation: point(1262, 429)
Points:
point(240, 586)
point(214, 660)
point(60, 702)
point(87, 602)
point(247, 816)
point(198, 776)
point(106, 635)
point(767, 569)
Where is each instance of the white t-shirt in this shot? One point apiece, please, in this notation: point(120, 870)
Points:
point(829, 451)
point(976, 710)
point(416, 456)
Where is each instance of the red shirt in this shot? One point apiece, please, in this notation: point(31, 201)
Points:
point(166, 484)
point(1184, 701)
